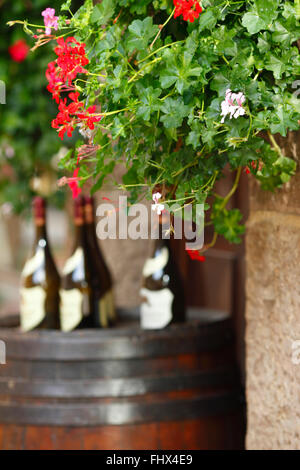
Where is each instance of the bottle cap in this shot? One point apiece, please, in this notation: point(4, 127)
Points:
point(78, 210)
point(89, 209)
point(39, 210)
point(89, 200)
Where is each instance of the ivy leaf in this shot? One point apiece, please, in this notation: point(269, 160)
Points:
point(276, 65)
point(220, 83)
point(208, 20)
point(282, 121)
point(103, 12)
point(284, 32)
point(227, 223)
point(106, 170)
point(66, 5)
point(267, 9)
point(242, 156)
point(276, 169)
point(180, 73)
point(253, 22)
point(150, 103)
point(141, 31)
point(175, 111)
point(193, 138)
point(261, 15)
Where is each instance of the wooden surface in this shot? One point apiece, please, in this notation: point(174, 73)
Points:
point(178, 388)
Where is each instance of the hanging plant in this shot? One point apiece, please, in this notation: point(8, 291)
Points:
point(177, 90)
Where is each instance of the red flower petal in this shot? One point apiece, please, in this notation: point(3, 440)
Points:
point(19, 50)
point(195, 255)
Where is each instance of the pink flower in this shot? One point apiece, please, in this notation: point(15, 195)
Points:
point(233, 105)
point(50, 20)
point(72, 182)
point(158, 208)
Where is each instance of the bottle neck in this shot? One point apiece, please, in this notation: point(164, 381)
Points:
point(79, 233)
point(91, 231)
point(79, 222)
point(90, 222)
point(161, 242)
point(40, 231)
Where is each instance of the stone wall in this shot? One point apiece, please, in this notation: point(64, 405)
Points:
point(273, 317)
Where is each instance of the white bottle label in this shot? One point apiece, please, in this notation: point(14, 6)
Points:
point(156, 310)
point(74, 262)
point(32, 307)
point(152, 265)
point(70, 309)
point(34, 263)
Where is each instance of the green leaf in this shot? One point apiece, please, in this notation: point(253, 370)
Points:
point(106, 170)
point(276, 65)
point(103, 12)
point(66, 5)
point(140, 33)
point(282, 120)
point(208, 20)
point(150, 103)
point(179, 70)
point(174, 112)
point(227, 223)
point(261, 15)
point(253, 22)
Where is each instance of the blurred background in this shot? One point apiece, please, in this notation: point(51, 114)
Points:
point(29, 148)
point(30, 151)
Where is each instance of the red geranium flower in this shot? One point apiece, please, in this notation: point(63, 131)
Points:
point(64, 121)
point(195, 255)
point(189, 9)
point(19, 50)
point(90, 120)
point(73, 184)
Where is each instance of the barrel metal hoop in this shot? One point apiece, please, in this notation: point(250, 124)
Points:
point(119, 413)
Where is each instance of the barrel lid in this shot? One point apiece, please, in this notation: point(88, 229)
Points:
point(203, 330)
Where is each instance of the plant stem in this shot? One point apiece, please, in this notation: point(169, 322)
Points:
point(274, 143)
point(233, 189)
point(97, 74)
point(158, 50)
point(143, 68)
point(189, 164)
point(213, 241)
point(160, 29)
point(111, 112)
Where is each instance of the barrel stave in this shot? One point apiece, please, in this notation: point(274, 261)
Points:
point(123, 388)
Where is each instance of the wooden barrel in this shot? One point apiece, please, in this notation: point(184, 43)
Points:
point(123, 388)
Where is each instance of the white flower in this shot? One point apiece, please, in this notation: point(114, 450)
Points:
point(6, 209)
point(158, 208)
point(10, 152)
point(233, 105)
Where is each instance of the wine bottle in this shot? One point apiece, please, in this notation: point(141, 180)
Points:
point(103, 300)
point(40, 281)
point(76, 306)
point(162, 290)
